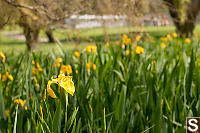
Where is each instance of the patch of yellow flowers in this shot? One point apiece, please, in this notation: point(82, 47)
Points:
point(89, 65)
point(91, 48)
point(164, 39)
point(21, 103)
point(169, 37)
point(58, 61)
point(127, 41)
point(66, 68)
point(36, 69)
point(6, 76)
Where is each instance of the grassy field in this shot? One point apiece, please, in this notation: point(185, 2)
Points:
point(71, 39)
point(139, 82)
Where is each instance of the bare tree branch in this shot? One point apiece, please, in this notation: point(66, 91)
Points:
point(6, 22)
point(41, 10)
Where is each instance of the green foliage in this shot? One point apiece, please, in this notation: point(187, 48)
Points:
point(127, 92)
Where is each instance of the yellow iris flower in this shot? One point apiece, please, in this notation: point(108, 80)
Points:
point(7, 112)
point(90, 107)
point(94, 66)
point(35, 81)
point(88, 66)
point(163, 45)
point(64, 82)
point(3, 57)
point(41, 112)
point(77, 54)
point(139, 50)
point(127, 52)
point(45, 95)
point(107, 44)
point(76, 71)
point(33, 62)
point(138, 38)
point(174, 35)
point(4, 78)
point(187, 40)
point(10, 77)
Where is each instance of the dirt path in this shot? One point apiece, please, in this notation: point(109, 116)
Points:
point(18, 35)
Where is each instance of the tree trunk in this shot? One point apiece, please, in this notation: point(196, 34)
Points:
point(50, 36)
point(183, 28)
point(32, 37)
point(186, 27)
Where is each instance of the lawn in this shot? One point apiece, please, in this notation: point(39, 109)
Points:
point(137, 82)
point(77, 39)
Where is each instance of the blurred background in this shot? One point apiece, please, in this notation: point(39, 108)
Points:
point(38, 24)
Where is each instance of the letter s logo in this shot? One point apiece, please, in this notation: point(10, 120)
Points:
point(192, 123)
